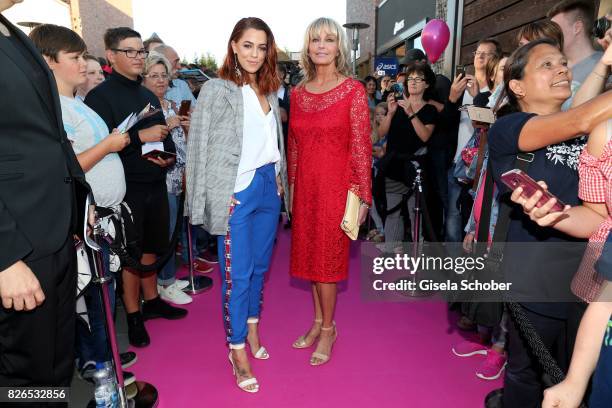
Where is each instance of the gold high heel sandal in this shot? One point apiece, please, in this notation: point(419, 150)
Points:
point(249, 381)
point(301, 343)
point(324, 358)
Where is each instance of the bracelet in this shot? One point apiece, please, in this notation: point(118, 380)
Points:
point(412, 116)
point(364, 204)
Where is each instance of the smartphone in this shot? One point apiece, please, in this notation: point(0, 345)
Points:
point(159, 154)
point(460, 70)
point(516, 178)
point(479, 114)
point(184, 109)
point(398, 91)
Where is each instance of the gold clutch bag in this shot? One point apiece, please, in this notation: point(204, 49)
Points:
point(350, 224)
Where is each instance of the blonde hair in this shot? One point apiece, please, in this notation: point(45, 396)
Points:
point(331, 27)
point(154, 59)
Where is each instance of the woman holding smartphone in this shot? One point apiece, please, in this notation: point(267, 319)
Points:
point(409, 124)
point(156, 79)
point(235, 164)
point(591, 219)
point(537, 83)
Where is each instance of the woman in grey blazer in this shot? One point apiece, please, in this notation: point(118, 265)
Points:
point(236, 173)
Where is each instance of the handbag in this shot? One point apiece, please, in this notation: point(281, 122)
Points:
point(350, 221)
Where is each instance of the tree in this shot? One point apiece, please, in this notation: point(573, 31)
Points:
point(206, 61)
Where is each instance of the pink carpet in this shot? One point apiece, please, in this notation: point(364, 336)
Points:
point(387, 354)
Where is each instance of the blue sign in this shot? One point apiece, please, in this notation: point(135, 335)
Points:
point(386, 66)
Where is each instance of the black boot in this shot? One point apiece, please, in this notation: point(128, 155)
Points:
point(137, 333)
point(157, 308)
point(495, 399)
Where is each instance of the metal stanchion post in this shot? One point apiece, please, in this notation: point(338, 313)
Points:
point(103, 281)
point(197, 284)
point(147, 395)
point(417, 187)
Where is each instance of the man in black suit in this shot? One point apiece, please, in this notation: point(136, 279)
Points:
point(39, 179)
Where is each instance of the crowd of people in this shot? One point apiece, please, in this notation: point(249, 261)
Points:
point(253, 142)
point(546, 96)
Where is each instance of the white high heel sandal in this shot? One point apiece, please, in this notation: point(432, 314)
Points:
point(249, 381)
point(262, 353)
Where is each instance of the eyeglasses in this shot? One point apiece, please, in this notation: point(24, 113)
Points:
point(155, 77)
point(484, 54)
point(133, 53)
point(416, 80)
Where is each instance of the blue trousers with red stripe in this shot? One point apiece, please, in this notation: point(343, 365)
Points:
point(245, 251)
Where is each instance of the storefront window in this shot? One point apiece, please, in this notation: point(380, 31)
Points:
point(416, 43)
point(400, 51)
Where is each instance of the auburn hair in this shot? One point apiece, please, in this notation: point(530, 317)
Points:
point(267, 80)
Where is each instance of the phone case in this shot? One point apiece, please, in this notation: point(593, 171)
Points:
point(184, 109)
point(516, 178)
point(159, 154)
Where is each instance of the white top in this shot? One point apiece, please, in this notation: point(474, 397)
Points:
point(259, 140)
point(86, 129)
point(465, 125)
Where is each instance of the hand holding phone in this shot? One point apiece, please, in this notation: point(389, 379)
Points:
point(516, 178)
point(460, 71)
point(184, 109)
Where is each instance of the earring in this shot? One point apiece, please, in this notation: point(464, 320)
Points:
point(236, 68)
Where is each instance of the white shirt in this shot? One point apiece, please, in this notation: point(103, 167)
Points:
point(465, 125)
point(259, 139)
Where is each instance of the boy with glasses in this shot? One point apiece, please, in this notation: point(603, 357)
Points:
point(120, 95)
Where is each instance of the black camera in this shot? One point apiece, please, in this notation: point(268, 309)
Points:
point(600, 27)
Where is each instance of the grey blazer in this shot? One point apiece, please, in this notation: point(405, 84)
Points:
point(214, 147)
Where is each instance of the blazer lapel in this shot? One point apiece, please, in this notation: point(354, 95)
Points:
point(234, 98)
point(24, 66)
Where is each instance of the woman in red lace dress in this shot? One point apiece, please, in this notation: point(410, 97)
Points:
point(329, 152)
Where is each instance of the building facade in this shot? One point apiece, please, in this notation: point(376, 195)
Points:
point(397, 26)
point(89, 18)
point(499, 19)
point(363, 11)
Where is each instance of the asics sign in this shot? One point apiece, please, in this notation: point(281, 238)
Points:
point(386, 66)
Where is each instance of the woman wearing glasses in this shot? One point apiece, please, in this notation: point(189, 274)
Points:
point(408, 125)
point(235, 163)
point(156, 79)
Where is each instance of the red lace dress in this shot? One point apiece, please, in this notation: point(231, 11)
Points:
point(329, 152)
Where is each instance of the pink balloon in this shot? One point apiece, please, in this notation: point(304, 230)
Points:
point(435, 38)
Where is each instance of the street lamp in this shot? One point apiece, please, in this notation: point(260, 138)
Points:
point(355, 27)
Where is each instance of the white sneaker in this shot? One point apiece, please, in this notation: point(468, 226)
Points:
point(181, 283)
point(174, 295)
